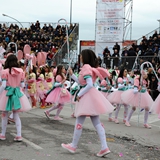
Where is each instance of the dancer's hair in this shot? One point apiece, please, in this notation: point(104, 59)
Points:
point(10, 62)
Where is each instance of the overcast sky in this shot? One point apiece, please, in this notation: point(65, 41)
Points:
point(145, 14)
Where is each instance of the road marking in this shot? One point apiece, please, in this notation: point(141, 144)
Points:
point(29, 143)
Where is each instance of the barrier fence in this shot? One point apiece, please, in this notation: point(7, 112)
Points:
point(130, 62)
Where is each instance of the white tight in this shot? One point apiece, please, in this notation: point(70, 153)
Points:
point(98, 126)
point(5, 122)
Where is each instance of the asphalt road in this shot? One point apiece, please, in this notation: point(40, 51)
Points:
point(42, 139)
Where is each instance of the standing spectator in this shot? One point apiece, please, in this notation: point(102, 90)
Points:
point(99, 61)
point(153, 85)
point(45, 28)
point(132, 56)
point(134, 45)
point(37, 25)
point(106, 56)
point(115, 57)
point(155, 34)
point(124, 55)
point(117, 47)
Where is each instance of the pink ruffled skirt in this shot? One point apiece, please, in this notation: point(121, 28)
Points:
point(115, 97)
point(57, 96)
point(142, 100)
point(105, 94)
point(93, 103)
point(25, 104)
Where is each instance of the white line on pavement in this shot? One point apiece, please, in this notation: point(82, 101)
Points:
point(29, 143)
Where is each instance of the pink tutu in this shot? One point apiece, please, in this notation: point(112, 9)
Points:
point(41, 93)
point(142, 100)
point(115, 97)
point(93, 103)
point(25, 104)
point(156, 106)
point(56, 96)
point(105, 94)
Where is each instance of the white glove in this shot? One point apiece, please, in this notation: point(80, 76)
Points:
point(135, 90)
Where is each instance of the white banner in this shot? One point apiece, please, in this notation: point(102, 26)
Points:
point(109, 30)
point(109, 24)
point(109, 21)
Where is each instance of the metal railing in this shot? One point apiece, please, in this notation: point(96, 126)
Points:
point(148, 35)
point(61, 55)
point(28, 24)
point(129, 61)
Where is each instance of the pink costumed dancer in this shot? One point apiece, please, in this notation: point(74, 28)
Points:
point(115, 97)
point(31, 80)
point(104, 88)
point(58, 95)
point(138, 98)
point(90, 102)
point(12, 98)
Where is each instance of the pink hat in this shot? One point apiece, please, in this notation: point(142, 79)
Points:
point(103, 83)
point(143, 72)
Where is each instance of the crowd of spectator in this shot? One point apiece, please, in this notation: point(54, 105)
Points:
point(45, 38)
point(148, 50)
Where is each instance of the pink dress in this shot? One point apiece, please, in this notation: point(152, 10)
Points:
point(103, 88)
point(41, 87)
point(141, 99)
point(12, 97)
point(115, 97)
point(93, 102)
point(59, 95)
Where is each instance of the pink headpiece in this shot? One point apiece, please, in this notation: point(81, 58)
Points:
point(143, 72)
point(103, 83)
point(9, 54)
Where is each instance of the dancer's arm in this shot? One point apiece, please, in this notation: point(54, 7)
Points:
point(3, 86)
point(135, 90)
point(86, 88)
point(74, 77)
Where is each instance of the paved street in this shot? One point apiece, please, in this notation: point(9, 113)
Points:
point(43, 137)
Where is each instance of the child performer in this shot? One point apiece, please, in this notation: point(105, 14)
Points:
point(31, 80)
point(12, 98)
point(49, 80)
point(138, 97)
point(90, 102)
point(41, 87)
point(49, 77)
point(115, 97)
point(58, 95)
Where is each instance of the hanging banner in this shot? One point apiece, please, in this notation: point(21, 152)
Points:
point(109, 20)
point(109, 30)
point(84, 44)
point(109, 23)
